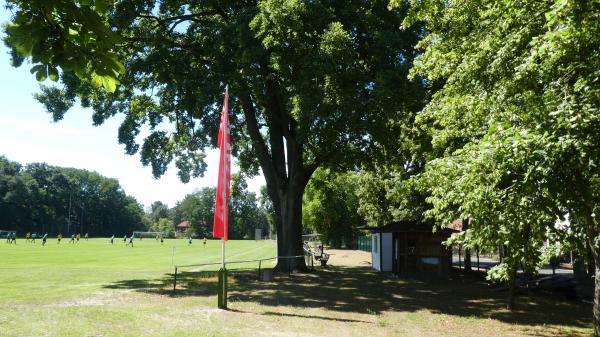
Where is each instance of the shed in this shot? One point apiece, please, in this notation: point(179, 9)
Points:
point(183, 226)
point(408, 248)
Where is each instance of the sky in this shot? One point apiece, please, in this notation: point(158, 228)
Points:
point(28, 135)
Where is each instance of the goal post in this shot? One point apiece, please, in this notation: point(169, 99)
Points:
point(141, 234)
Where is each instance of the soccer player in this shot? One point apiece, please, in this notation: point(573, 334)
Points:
point(157, 237)
point(8, 237)
point(13, 238)
point(161, 239)
point(44, 239)
point(72, 238)
point(33, 237)
point(204, 242)
point(86, 236)
point(124, 238)
point(59, 237)
point(112, 239)
point(27, 236)
point(130, 241)
point(78, 237)
point(189, 240)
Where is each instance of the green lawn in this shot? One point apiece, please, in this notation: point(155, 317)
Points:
point(32, 273)
point(75, 289)
point(95, 289)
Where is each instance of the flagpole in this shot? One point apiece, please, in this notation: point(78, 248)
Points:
point(222, 197)
point(225, 168)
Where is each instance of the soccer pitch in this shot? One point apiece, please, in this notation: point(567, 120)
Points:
point(69, 289)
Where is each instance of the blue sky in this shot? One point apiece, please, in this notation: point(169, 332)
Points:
point(27, 134)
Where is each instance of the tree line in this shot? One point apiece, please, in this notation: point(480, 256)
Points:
point(247, 213)
point(40, 198)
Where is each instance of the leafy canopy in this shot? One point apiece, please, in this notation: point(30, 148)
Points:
point(514, 125)
point(327, 75)
point(70, 35)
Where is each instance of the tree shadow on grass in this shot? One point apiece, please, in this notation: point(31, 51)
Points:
point(189, 284)
point(360, 290)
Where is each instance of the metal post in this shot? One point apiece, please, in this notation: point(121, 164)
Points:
point(259, 263)
point(459, 263)
point(477, 258)
point(223, 252)
point(175, 280)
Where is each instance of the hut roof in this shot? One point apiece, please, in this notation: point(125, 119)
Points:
point(184, 224)
point(410, 226)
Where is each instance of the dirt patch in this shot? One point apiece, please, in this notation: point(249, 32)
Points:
point(349, 258)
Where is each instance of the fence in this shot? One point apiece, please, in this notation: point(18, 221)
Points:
point(364, 243)
point(308, 259)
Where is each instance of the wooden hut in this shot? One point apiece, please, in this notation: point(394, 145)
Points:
point(411, 249)
point(180, 230)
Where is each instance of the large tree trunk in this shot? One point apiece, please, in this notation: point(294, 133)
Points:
point(289, 234)
point(285, 173)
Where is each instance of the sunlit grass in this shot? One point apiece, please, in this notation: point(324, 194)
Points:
point(95, 289)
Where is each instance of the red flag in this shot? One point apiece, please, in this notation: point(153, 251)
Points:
point(221, 220)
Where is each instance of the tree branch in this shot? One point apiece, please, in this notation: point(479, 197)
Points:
point(185, 17)
point(257, 140)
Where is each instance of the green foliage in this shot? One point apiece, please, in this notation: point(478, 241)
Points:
point(198, 208)
point(374, 205)
point(158, 210)
point(164, 225)
point(330, 206)
point(514, 125)
point(36, 198)
point(388, 193)
point(323, 74)
point(245, 211)
point(74, 36)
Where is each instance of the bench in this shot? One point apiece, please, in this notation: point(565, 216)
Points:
point(321, 256)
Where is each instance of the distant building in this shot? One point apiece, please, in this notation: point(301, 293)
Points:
point(411, 249)
point(182, 227)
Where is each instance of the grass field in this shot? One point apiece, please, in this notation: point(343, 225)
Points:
point(95, 289)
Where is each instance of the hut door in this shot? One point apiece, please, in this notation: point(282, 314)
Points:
point(400, 245)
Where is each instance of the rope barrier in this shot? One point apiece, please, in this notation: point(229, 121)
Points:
point(177, 267)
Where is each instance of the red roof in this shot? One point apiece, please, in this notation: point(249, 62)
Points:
point(185, 224)
point(456, 225)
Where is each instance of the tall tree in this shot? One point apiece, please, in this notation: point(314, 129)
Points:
point(515, 125)
point(330, 207)
point(247, 215)
point(198, 208)
point(158, 210)
point(313, 82)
